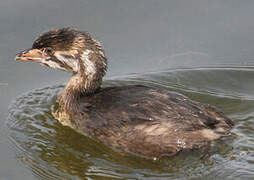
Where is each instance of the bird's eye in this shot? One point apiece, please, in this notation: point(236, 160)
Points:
point(47, 50)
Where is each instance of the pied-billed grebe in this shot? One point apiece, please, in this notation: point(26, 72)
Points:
point(136, 119)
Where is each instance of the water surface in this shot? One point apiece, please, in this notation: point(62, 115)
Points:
point(53, 151)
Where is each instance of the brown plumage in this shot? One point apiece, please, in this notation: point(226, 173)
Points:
point(134, 119)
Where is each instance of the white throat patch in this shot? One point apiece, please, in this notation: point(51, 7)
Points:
point(89, 65)
point(69, 61)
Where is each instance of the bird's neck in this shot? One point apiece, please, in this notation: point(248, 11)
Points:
point(81, 84)
point(77, 86)
point(92, 68)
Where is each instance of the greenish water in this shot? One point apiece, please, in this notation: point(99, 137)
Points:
point(52, 151)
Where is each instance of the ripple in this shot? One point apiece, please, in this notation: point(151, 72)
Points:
point(53, 151)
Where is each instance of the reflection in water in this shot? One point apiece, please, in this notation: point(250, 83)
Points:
point(53, 151)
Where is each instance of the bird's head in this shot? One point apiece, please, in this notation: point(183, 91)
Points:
point(67, 49)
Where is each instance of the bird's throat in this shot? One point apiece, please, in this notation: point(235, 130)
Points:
point(79, 85)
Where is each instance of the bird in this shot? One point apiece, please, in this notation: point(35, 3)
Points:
point(131, 119)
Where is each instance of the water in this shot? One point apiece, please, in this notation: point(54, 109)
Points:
point(162, 44)
point(52, 151)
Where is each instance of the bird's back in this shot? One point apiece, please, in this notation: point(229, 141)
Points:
point(148, 122)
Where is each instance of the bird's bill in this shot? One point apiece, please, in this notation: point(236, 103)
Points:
point(34, 55)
